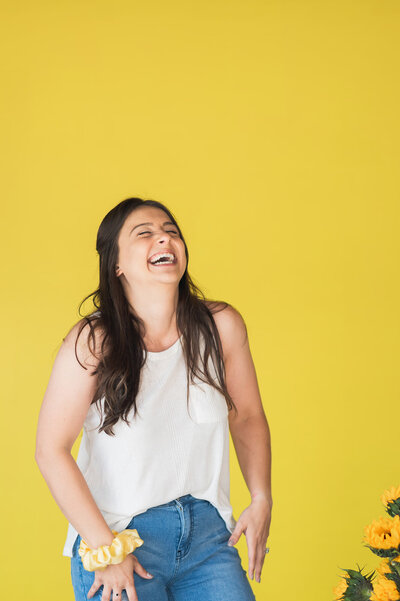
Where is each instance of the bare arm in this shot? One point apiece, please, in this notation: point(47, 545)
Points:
point(63, 411)
point(250, 436)
point(249, 428)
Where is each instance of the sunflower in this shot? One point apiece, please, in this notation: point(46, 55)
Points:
point(384, 567)
point(340, 589)
point(355, 586)
point(383, 536)
point(384, 590)
point(391, 500)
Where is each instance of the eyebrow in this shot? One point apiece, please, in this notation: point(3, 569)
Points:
point(150, 223)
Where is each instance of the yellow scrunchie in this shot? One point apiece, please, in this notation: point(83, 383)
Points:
point(98, 559)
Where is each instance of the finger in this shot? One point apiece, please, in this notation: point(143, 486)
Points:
point(139, 569)
point(131, 592)
point(106, 593)
point(251, 552)
point(236, 534)
point(260, 557)
point(93, 589)
point(117, 594)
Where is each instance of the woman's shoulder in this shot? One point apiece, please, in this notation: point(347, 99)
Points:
point(87, 336)
point(230, 324)
point(225, 311)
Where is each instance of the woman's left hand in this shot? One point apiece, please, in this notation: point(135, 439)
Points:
point(254, 521)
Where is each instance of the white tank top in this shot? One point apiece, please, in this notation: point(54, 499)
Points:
point(163, 454)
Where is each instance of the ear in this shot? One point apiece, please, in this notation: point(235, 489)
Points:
point(117, 271)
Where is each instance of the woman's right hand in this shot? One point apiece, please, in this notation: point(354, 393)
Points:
point(117, 577)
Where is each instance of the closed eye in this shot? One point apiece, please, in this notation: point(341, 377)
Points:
point(171, 231)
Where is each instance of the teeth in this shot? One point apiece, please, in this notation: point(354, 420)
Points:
point(159, 256)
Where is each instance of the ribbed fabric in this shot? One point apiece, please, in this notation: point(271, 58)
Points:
point(164, 453)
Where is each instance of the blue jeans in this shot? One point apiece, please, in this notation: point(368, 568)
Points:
point(186, 549)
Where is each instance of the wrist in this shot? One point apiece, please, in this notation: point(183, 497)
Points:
point(262, 496)
point(124, 542)
point(105, 539)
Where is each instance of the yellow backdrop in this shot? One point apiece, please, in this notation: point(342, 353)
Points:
point(271, 130)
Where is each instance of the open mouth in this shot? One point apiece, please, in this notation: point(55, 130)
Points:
point(165, 258)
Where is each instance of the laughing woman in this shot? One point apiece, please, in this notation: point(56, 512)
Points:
point(157, 376)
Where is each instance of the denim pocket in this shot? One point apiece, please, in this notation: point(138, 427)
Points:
point(207, 405)
point(76, 546)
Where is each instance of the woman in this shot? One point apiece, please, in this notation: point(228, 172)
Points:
point(147, 377)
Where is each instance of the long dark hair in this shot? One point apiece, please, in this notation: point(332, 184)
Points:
point(121, 354)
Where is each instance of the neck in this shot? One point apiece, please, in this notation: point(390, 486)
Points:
point(157, 309)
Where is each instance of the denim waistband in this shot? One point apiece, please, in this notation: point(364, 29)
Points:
point(184, 500)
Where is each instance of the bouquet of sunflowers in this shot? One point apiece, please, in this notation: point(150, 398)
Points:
point(383, 538)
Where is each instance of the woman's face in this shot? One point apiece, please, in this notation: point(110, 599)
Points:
point(148, 231)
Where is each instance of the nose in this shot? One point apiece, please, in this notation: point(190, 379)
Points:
point(164, 236)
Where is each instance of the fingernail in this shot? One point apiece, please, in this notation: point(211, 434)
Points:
point(149, 575)
point(230, 543)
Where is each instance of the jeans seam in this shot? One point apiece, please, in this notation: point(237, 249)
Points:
point(81, 577)
point(190, 538)
point(80, 564)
